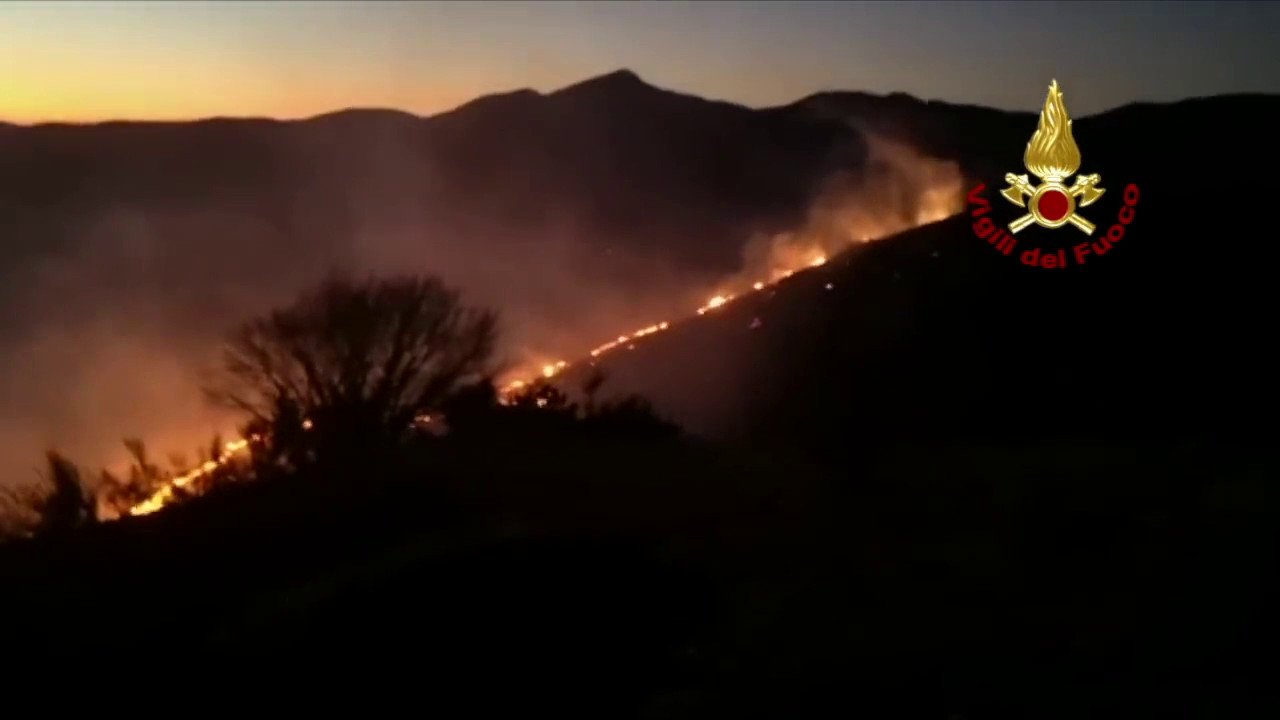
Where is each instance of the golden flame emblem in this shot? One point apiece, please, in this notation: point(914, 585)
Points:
point(1052, 156)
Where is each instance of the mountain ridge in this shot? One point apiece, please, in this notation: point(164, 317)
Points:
point(613, 81)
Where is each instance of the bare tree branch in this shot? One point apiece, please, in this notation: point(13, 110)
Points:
point(349, 355)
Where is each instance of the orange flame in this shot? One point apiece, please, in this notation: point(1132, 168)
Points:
point(165, 495)
point(939, 197)
point(714, 303)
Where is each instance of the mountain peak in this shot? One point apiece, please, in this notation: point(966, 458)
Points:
point(621, 75)
point(618, 79)
point(361, 113)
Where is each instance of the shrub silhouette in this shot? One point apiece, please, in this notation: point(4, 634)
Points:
point(351, 365)
point(119, 494)
point(62, 502)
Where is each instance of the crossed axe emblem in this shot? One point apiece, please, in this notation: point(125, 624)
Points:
point(1085, 188)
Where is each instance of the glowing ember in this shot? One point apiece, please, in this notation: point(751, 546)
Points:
point(714, 303)
point(758, 286)
point(552, 369)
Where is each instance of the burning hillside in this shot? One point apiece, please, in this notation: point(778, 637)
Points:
point(718, 202)
point(133, 245)
point(899, 190)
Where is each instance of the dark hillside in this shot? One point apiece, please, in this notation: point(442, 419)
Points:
point(935, 333)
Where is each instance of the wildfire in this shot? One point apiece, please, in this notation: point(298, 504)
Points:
point(165, 494)
point(596, 352)
point(553, 368)
point(714, 303)
point(937, 202)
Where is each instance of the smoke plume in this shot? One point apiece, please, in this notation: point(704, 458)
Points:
point(898, 189)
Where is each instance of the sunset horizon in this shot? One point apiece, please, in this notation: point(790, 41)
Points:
point(180, 61)
point(1030, 107)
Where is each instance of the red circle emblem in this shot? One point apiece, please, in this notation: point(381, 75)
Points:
point(1053, 205)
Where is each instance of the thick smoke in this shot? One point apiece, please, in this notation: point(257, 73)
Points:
point(898, 189)
point(118, 308)
point(894, 190)
point(116, 315)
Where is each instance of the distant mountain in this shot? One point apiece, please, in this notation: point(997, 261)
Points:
point(654, 171)
point(622, 156)
point(624, 180)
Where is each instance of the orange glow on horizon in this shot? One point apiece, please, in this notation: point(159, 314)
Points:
point(84, 84)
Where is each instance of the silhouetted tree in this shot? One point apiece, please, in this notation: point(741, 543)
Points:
point(119, 494)
point(60, 503)
point(353, 362)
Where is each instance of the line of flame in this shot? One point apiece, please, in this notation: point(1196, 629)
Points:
point(166, 494)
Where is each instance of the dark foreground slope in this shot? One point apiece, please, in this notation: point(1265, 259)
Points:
point(644, 577)
point(541, 567)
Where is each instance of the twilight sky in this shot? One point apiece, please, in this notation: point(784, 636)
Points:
point(154, 60)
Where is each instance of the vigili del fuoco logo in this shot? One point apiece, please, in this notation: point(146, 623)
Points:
point(1052, 156)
